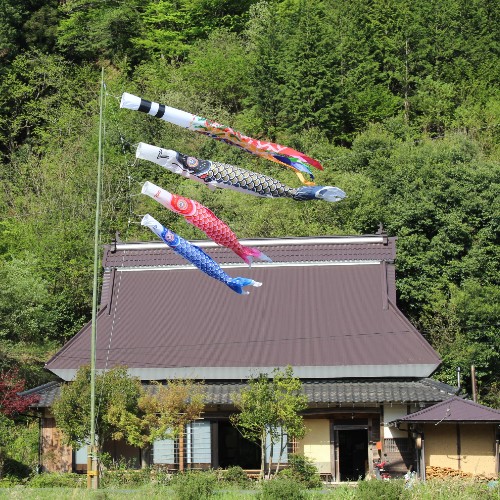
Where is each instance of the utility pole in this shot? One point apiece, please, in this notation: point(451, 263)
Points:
point(474, 383)
point(92, 462)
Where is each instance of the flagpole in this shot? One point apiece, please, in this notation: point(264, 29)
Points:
point(92, 463)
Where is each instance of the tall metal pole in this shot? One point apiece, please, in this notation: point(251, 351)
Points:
point(92, 465)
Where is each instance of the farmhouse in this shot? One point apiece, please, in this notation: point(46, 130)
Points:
point(327, 307)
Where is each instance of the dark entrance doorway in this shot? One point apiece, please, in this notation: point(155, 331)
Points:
point(353, 454)
point(234, 449)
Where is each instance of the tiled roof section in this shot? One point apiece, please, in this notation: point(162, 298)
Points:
point(350, 391)
point(454, 409)
point(348, 248)
point(318, 392)
point(48, 393)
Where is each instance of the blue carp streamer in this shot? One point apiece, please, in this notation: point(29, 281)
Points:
point(197, 256)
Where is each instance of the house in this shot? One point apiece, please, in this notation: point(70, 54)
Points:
point(327, 307)
point(456, 435)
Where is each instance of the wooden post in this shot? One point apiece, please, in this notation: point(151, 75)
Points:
point(474, 383)
point(332, 449)
point(422, 459)
point(214, 426)
point(497, 453)
point(181, 448)
point(370, 446)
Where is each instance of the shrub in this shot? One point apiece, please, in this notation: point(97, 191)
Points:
point(282, 488)
point(388, 490)
point(235, 475)
point(8, 481)
point(58, 480)
point(16, 469)
point(160, 476)
point(194, 485)
point(125, 477)
point(451, 488)
point(302, 469)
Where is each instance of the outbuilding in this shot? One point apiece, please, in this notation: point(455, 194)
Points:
point(455, 435)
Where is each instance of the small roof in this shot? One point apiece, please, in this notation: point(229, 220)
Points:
point(454, 410)
point(326, 307)
point(332, 392)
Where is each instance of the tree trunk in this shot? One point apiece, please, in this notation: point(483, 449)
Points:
point(280, 455)
point(269, 466)
point(262, 453)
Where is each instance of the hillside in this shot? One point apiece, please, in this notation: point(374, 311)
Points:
point(400, 103)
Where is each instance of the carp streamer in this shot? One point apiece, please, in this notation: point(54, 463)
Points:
point(197, 256)
point(297, 161)
point(221, 175)
point(203, 218)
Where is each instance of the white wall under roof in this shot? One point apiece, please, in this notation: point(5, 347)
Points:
point(393, 412)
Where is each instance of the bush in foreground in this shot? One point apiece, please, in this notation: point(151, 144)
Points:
point(388, 490)
point(235, 475)
point(282, 488)
point(58, 480)
point(194, 485)
point(302, 469)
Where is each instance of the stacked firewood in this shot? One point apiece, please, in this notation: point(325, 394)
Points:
point(434, 472)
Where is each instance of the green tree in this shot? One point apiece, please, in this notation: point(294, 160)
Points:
point(25, 302)
point(270, 408)
point(169, 28)
point(114, 389)
point(88, 32)
point(162, 412)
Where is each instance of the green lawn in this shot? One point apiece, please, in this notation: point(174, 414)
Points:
point(442, 490)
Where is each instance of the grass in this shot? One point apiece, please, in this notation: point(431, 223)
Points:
point(431, 490)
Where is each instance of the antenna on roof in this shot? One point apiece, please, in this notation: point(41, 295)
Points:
point(116, 240)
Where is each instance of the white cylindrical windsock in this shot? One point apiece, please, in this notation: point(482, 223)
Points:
point(130, 101)
point(166, 113)
point(166, 158)
point(153, 224)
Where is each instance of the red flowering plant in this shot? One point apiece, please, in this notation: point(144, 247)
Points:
point(11, 403)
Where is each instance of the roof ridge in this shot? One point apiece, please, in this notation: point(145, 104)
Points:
point(40, 388)
point(287, 240)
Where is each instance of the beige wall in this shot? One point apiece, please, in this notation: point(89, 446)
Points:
point(441, 445)
point(477, 447)
point(316, 443)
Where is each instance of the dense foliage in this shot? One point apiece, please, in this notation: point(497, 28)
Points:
point(161, 412)
point(400, 102)
point(269, 414)
point(114, 390)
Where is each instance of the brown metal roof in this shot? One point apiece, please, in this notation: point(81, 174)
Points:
point(327, 317)
point(454, 410)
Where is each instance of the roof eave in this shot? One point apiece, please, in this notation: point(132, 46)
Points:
point(245, 372)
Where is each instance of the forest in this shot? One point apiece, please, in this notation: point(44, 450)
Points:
point(400, 102)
